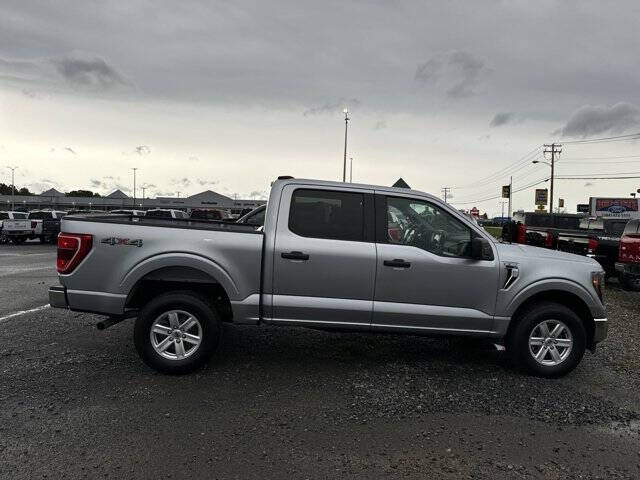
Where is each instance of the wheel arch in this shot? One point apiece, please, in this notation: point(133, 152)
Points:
point(180, 278)
point(562, 297)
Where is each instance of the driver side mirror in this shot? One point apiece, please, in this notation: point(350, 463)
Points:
point(481, 249)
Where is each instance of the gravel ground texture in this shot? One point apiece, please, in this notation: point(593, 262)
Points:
point(298, 403)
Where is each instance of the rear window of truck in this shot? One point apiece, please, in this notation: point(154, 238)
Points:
point(327, 214)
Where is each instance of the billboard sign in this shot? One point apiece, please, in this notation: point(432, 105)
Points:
point(615, 207)
point(506, 191)
point(542, 196)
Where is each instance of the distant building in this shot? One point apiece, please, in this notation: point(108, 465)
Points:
point(52, 198)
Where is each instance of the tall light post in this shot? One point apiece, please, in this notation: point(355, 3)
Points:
point(144, 189)
point(134, 186)
point(350, 169)
point(13, 185)
point(346, 128)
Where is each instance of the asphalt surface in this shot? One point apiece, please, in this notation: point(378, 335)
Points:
point(296, 403)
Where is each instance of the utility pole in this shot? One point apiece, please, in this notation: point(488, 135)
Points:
point(13, 185)
point(554, 149)
point(445, 191)
point(134, 186)
point(144, 189)
point(346, 128)
point(510, 195)
point(350, 169)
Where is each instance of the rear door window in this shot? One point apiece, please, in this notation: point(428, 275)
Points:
point(327, 214)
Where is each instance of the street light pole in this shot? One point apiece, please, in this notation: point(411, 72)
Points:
point(346, 127)
point(13, 186)
point(350, 169)
point(134, 186)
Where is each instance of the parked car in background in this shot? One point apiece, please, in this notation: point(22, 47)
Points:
point(166, 213)
point(218, 214)
point(326, 260)
point(254, 217)
point(135, 213)
point(593, 237)
point(42, 224)
point(628, 264)
point(9, 215)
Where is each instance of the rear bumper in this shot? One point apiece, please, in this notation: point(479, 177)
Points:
point(86, 301)
point(58, 297)
point(600, 331)
point(628, 268)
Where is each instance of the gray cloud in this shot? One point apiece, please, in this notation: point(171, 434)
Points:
point(380, 125)
point(70, 150)
point(89, 72)
point(502, 119)
point(332, 107)
point(461, 71)
point(181, 182)
point(204, 183)
point(591, 120)
point(142, 150)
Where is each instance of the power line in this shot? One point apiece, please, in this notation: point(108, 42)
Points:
point(537, 182)
point(619, 138)
point(605, 173)
point(504, 171)
point(593, 178)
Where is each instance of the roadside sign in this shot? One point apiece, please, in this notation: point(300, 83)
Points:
point(542, 196)
point(582, 208)
point(474, 212)
point(615, 207)
point(561, 203)
point(506, 191)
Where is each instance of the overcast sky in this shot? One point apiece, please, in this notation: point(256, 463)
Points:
point(228, 95)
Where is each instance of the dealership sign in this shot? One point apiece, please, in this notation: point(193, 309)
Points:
point(615, 207)
point(541, 196)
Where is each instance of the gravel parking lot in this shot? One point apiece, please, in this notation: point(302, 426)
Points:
point(296, 403)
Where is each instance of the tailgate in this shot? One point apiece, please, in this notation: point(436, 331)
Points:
point(16, 225)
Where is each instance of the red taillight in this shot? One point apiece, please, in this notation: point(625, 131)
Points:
point(548, 240)
point(72, 248)
point(34, 224)
point(521, 233)
point(592, 245)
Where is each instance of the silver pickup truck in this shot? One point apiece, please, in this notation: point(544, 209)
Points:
point(330, 256)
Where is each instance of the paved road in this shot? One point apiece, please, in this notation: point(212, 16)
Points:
point(24, 271)
point(295, 403)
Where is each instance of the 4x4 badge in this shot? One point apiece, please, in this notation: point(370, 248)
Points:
point(121, 241)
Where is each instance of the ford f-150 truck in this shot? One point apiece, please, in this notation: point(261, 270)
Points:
point(328, 258)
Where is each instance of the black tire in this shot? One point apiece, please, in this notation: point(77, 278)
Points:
point(43, 239)
point(18, 240)
point(195, 305)
point(518, 341)
point(630, 282)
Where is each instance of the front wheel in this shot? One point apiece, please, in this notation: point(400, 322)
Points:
point(549, 340)
point(177, 333)
point(18, 240)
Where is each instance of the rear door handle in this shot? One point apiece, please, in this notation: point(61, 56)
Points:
point(397, 263)
point(295, 256)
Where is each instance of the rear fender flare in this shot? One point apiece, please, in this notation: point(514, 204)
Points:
point(179, 259)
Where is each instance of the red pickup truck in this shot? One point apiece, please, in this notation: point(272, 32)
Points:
point(628, 264)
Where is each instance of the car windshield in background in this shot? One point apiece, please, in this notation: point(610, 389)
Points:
point(40, 215)
point(159, 213)
point(207, 215)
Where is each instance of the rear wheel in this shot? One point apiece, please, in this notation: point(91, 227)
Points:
point(18, 240)
point(177, 332)
point(630, 282)
point(549, 340)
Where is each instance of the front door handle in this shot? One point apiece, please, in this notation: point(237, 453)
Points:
point(295, 256)
point(397, 263)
